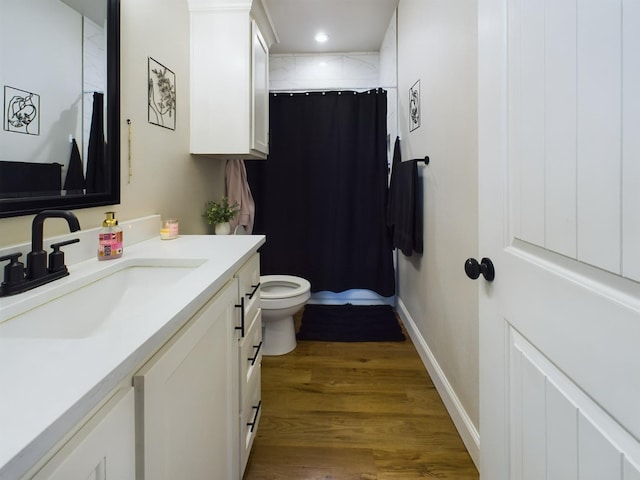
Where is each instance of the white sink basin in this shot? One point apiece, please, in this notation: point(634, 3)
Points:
point(121, 294)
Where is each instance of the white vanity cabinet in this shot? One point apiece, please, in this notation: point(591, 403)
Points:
point(229, 67)
point(196, 406)
point(249, 355)
point(170, 392)
point(103, 449)
point(186, 397)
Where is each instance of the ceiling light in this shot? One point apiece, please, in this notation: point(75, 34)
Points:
point(321, 37)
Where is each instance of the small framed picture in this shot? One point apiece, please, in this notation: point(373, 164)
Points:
point(21, 111)
point(414, 106)
point(162, 95)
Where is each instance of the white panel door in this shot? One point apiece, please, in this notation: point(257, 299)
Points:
point(559, 174)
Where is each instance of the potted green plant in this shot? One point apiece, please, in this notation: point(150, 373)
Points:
point(219, 214)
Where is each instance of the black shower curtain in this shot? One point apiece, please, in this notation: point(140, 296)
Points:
point(321, 194)
point(96, 169)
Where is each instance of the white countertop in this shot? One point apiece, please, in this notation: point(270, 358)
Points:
point(47, 385)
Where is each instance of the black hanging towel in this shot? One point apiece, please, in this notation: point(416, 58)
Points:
point(404, 212)
point(74, 181)
point(391, 197)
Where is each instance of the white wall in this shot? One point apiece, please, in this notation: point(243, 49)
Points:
point(94, 66)
point(55, 33)
point(166, 179)
point(323, 71)
point(437, 45)
point(389, 78)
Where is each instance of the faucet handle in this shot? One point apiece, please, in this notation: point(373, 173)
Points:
point(14, 270)
point(56, 258)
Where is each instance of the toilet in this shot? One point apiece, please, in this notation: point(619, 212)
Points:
point(281, 297)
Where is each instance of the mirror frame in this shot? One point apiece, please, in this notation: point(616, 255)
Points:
point(10, 207)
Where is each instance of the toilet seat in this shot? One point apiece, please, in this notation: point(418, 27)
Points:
point(283, 291)
point(282, 286)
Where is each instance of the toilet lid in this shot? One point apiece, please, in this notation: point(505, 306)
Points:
point(282, 286)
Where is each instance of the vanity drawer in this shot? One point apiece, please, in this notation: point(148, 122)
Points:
point(250, 351)
point(249, 288)
point(249, 418)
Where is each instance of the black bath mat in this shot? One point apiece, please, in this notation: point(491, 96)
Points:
point(350, 323)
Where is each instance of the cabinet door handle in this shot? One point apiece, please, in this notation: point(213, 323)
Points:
point(255, 356)
point(241, 307)
point(253, 292)
point(255, 416)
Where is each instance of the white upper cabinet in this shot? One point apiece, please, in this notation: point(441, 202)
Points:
point(259, 91)
point(230, 43)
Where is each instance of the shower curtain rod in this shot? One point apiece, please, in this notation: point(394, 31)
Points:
point(311, 90)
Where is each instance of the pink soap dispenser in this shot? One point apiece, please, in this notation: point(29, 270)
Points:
point(110, 238)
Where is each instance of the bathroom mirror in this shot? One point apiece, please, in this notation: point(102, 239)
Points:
point(60, 91)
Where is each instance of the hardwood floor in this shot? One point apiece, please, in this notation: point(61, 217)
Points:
point(354, 411)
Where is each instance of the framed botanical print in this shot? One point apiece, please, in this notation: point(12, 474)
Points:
point(414, 106)
point(162, 95)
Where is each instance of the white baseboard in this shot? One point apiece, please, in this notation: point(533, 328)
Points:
point(464, 425)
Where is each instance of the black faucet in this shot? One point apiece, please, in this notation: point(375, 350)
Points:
point(37, 257)
point(17, 279)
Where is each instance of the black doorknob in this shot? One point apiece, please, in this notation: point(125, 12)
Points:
point(473, 269)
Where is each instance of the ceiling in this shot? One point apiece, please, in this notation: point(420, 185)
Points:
point(351, 25)
point(95, 10)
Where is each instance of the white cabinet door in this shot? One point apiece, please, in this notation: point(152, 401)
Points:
point(558, 182)
point(229, 81)
point(103, 449)
point(250, 417)
point(187, 399)
point(260, 92)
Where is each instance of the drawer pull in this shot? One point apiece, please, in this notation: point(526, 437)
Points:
point(253, 292)
point(255, 356)
point(255, 416)
point(241, 307)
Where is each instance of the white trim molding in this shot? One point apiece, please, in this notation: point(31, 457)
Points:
point(468, 432)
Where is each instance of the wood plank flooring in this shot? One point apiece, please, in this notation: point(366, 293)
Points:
point(354, 411)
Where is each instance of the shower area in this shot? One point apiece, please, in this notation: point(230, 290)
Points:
point(321, 196)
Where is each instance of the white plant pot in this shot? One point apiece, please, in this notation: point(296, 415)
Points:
point(223, 228)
